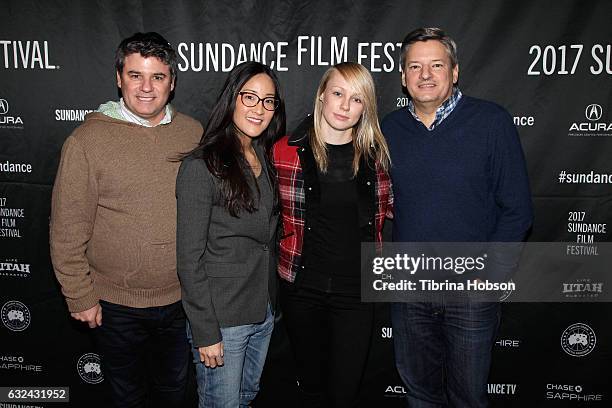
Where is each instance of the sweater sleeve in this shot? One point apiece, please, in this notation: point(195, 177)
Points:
point(73, 211)
point(512, 197)
point(510, 183)
point(194, 192)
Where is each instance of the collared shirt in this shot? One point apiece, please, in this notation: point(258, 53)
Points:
point(129, 116)
point(443, 111)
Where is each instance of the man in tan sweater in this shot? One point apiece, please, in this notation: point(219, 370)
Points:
point(113, 227)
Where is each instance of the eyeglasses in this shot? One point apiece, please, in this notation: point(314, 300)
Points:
point(250, 99)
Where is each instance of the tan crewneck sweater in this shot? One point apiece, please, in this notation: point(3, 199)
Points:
point(113, 214)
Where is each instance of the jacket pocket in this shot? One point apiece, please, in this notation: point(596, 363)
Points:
point(226, 270)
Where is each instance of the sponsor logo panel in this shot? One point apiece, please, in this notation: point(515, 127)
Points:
point(19, 363)
point(15, 316)
point(8, 118)
point(595, 125)
point(14, 268)
point(10, 221)
point(89, 367)
point(578, 340)
point(571, 392)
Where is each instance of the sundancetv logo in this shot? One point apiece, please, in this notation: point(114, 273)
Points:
point(501, 389)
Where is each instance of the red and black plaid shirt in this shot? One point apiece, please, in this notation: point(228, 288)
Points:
point(293, 203)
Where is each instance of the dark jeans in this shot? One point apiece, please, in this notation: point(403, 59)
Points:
point(443, 351)
point(330, 336)
point(145, 354)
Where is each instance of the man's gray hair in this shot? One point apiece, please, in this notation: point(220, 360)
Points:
point(425, 34)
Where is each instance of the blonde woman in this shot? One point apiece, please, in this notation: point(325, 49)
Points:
point(335, 193)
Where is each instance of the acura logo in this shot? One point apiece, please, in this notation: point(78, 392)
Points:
point(3, 106)
point(593, 112)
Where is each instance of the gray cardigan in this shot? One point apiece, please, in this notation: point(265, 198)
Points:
point(226, 264)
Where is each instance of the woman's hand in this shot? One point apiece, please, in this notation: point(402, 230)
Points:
point(212, 356)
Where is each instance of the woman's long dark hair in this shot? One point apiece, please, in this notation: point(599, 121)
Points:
point(220, 146)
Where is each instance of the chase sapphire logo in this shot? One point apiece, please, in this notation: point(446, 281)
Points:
point(578, 340)
point(593, 112)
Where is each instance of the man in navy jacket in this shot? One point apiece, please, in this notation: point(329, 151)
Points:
point(458, 176)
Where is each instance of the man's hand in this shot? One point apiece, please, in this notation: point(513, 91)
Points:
point(93, 316)
point(212, 356)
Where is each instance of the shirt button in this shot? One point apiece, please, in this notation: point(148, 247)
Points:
point(309, 188)
point(265, 247)
point(368, 183)
point(369, 222)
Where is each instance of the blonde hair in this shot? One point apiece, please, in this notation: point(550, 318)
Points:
point(367, 136)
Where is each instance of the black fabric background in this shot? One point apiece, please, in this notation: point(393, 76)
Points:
point(498, 44)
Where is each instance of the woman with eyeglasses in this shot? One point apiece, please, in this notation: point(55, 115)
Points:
point(335, 193)
point(227, 215)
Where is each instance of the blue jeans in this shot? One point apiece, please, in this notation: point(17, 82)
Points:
point(145, 354)
point(236, 382)
point(443, 351)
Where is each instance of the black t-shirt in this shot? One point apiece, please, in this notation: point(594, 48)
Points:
point(332, 237)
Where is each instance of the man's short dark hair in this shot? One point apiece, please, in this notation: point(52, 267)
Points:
point(429, 33)
point(149, 44)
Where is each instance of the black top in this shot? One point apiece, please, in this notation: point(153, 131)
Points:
point(332, 235)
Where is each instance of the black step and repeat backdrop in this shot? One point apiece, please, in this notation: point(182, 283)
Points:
point(548, 63)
